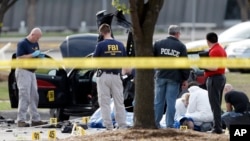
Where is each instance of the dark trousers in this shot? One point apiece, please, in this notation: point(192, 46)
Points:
point(215, 85)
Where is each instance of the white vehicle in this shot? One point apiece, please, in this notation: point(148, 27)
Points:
point(235, 33)
point(240, 49)
point(230, 39)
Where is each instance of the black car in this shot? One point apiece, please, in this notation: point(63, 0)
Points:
point(72, 92)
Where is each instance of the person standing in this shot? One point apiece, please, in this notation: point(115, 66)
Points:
point(168, 81)
point(109, 83)
point(26, 80)
point(216, 81)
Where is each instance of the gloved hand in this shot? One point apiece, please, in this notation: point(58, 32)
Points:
point(41, 55)
point(36, 53)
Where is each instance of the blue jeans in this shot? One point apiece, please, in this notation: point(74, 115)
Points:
point(166, 92)
point(232, 117)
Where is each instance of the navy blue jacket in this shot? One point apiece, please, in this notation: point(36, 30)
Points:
point(171, 47)
point(110, 48)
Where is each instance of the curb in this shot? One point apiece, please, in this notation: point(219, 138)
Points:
point(12, 114)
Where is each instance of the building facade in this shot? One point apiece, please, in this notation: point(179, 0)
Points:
point(72, 14)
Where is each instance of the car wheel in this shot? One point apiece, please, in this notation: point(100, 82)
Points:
point(60, 115)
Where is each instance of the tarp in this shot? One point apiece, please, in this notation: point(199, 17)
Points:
point(96, 119)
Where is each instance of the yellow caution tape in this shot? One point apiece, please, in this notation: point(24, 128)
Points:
point(128, 62)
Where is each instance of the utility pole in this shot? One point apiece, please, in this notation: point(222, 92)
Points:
point(104, 4)
point(193, 19)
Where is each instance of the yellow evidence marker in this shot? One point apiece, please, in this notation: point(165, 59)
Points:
point(35, 136)
point(52, 135)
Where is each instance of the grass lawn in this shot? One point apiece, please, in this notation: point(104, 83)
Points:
point(4, 90)
point(5, 105)
point(238, 80)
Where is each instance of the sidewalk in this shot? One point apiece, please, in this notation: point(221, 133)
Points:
point(10, 132)
point(54, 42)
point(12, 114)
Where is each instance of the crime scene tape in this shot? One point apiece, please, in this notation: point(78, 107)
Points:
point(126, 62)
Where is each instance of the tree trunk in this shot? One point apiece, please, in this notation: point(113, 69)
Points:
point(31, 14)
point(144, 17)
point(4, 6)
point(1, 19)
point(244, 8)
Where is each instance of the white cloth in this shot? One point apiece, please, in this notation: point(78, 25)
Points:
point(180, 109)
point(199, 108)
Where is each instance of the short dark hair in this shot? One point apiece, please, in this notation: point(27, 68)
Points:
point(104, 29)
point(212, 37)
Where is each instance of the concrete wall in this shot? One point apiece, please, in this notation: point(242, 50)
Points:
point(70, 13)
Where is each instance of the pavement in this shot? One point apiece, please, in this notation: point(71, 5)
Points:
point(54, 42)
point(10, 131)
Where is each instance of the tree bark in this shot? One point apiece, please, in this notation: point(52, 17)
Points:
point(4, 6)
point(31, 14)
point(144, 17)
point(244, 8)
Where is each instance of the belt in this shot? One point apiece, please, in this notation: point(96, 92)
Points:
point(115, 73)
point(215, 75)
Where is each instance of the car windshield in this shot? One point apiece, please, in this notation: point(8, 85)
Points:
point(239, 31)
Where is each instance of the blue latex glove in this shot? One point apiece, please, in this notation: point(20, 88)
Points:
point(41, 55)
point(36, 53)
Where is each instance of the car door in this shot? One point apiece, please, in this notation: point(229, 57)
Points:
point(52, 84)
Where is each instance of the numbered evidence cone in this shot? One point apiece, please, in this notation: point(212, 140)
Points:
point(183, 128)
point(35, 136)
point(52, 134)
point(77, 130)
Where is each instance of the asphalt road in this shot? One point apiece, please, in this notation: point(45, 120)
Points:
point(53, 43)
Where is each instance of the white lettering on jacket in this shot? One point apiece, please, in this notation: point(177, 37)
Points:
point(170, 52)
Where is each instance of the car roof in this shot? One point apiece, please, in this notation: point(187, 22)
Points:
point(82, 35)
point(78, 45)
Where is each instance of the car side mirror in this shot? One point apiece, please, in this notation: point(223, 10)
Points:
point(52, 73)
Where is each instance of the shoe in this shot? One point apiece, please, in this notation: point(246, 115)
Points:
point(22, 124)
point(216, 131)
point(37, 123)
point(109, 128)
point(122, 127)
